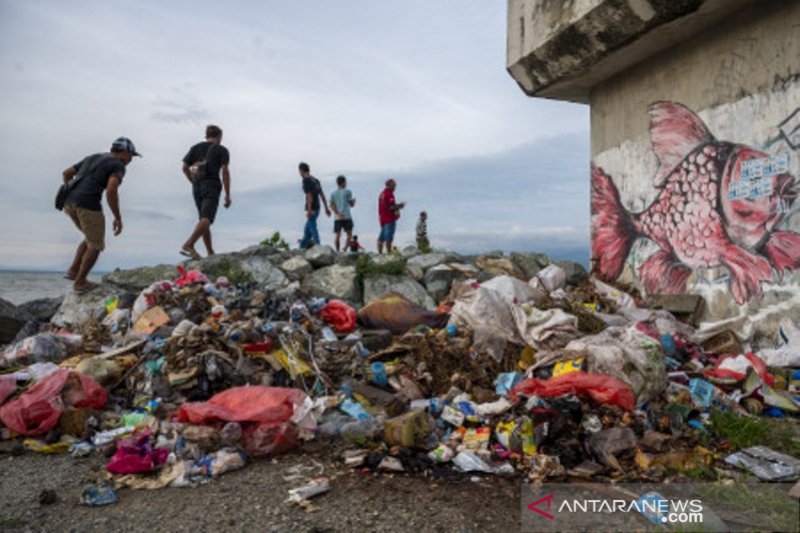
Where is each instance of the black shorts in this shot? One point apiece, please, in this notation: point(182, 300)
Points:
point(346, 225)
point(206, 198)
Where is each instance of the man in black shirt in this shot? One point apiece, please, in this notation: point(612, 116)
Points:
point(202, 166)
point(95, 174)
point(312, 193)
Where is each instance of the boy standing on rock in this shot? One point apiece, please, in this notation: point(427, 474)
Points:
point(89, 178)
point(341, 202)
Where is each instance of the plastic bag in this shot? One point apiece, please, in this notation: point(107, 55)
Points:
point(189, 277)
point(8, 384)
point(600, 388)
point(41, 348)
point(136, 455)
point(735, 368)
point(552, 277)
point(339, 315)
point(37, 410)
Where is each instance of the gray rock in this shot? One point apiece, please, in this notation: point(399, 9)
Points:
point(410, 251)
point(264, 273)
point(415, 272)
point(320, 256)
point(334, 281)
point(348, 259)
point(385, 259)
point(374, 287)
point(296, 268)
point(12, 318)
point(426, 261)
point(440, 278)
point(41, 309)
point(530, 263)
point(78, 308)
point(575, 271)
point(137, 279)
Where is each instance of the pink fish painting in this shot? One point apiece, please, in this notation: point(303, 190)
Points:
point(719, 204)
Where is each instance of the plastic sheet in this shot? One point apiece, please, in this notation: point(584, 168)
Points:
point(38, 410)
point(339, 315)
point(600, 388)
point(41, 348)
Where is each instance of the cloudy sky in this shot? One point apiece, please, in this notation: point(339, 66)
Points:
point(415, 90)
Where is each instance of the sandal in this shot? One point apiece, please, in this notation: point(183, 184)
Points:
point(192, 254)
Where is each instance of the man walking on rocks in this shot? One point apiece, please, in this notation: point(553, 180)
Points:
point(312, 193)
point(202, 166)
point(87, 181)
point(388, 213)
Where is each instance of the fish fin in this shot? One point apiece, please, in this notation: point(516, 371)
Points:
point(783, 250)
point(675, 131)
point(612, 230)
point(661, 273)
point(747, 272)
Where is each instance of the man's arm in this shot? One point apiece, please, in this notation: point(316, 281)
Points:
point(112, 197)
point(69, 173)
point(324, 202)
point(333, 207)
point(226, 183)
point(186, 172)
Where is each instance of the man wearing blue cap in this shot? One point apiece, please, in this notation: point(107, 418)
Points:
point(86, 181)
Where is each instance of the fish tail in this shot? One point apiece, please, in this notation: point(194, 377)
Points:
point(613, 231)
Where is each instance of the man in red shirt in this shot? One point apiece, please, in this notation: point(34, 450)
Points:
point(388, 213)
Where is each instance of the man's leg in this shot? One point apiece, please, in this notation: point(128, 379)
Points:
point(336, 239)
point(349, 238)
point(207, 241)
point(314, 230)
point(89, 259)
point(75, 267)
point(200, 230)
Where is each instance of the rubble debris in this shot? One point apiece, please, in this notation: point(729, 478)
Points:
point(547, 376)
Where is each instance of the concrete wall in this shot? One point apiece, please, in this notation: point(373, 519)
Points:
point(695, 161)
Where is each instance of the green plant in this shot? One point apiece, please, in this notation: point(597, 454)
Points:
point(276, 241)
point(367, 268)
point(236, 274)
point(743, 432)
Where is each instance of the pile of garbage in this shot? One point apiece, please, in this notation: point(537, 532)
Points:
point(527, 376)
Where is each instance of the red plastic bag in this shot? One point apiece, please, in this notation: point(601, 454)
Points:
point(244, 404)
point(8, 384)
point(37, 410)
point(190, 277)
point(269, 409)
point(136, 455)
point(339, 315)
point(601, 388)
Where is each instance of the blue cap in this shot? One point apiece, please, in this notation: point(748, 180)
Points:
point(124, 144)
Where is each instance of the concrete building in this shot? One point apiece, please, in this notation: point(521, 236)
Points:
point(695, 139)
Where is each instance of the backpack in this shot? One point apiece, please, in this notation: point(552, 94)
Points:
point(65, 188)
point(198, 169)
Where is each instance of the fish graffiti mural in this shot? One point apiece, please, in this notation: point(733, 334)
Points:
point(719, 205)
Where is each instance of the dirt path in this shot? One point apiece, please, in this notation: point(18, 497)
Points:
point(254, 499)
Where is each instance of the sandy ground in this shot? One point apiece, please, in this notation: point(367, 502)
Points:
point(254, 499)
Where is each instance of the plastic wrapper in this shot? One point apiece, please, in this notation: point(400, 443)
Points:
point(38, 409)
point(765, 463)
point(315, 487)
point(8, 384)
point(469, 461)
point(601, 388)
point(339, 315)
